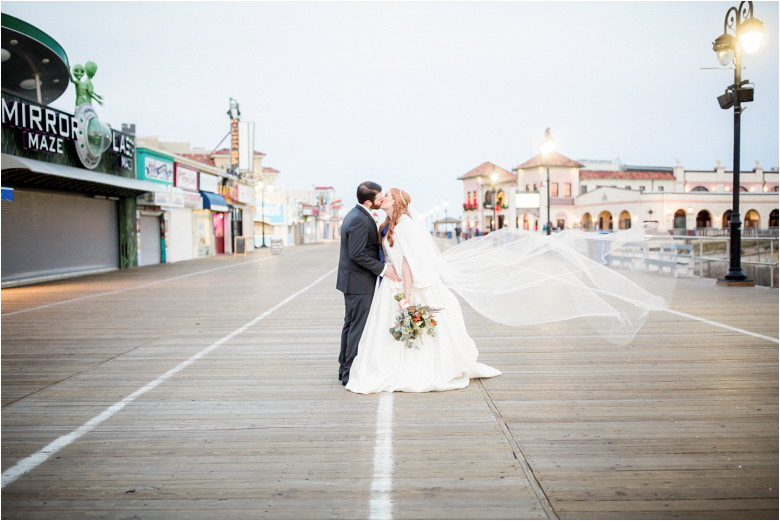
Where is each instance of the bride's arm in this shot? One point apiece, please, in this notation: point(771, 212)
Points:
point(408, 280)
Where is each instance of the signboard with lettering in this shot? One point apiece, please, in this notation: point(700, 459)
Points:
point(156, 169)
point(234, 143)
point(270, 213)
point(186, 178)
point(47, 134)
point(208, 182)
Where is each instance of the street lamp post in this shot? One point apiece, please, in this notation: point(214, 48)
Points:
point(436, 221)
point(446, 204)
point(494, 201)
point(547, 147)
point(261, 184)
point(747, 35)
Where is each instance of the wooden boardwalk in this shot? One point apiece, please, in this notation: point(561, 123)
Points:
point(251, 422)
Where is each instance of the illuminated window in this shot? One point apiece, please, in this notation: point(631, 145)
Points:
point(567, 189)
point(553, 189)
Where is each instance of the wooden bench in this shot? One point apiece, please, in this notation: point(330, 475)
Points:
point(629, 254)
point(685, 256)
point(667, 258)
point(674, 257)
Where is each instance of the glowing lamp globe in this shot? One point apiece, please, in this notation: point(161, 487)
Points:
point(750, 33)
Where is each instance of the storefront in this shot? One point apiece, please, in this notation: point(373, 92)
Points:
point(154, 207)
point(73, 208)
point(182, 222)
point(242, 219)
point(217, 218)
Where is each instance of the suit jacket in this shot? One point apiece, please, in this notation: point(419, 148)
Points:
point(359, 264)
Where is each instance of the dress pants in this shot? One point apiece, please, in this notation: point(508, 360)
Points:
point(355, 316)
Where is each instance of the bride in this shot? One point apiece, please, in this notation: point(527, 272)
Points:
point(511, 276)
point(443, 362)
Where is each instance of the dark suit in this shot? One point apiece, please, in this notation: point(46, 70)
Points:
point(359, 266)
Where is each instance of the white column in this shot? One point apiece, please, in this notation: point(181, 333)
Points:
point(512, 205)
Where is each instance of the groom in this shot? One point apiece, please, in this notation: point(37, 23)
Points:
point(359, 266)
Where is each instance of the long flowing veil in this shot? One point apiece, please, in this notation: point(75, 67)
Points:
point(520, 278)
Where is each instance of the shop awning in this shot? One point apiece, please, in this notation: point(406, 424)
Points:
point(214, 202)
point(31, 173)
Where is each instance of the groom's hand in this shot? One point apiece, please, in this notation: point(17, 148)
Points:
point(391, 274)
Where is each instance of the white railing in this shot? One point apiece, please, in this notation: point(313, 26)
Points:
point(756, 251)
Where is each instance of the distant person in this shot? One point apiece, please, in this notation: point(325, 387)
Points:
point(477, 232)
point(458, 231)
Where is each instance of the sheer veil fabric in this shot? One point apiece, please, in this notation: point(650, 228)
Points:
point(521, 278)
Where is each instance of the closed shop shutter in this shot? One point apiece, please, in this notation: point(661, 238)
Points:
point(49, 233)
point(181, 235)
point(150, 240)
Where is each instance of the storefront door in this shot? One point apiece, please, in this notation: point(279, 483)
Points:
point(48, 233)
point(219, 232)
point(150, 240)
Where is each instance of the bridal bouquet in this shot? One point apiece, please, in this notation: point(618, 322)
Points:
point(412, 322)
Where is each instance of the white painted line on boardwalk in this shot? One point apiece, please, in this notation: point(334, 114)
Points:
point(381, 506)
point(144, 285)
point(713, 323)
point(27, 464)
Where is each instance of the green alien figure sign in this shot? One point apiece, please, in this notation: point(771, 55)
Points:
point(85, 91)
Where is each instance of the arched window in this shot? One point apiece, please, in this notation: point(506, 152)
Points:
point(625, 220)
point(605, 220)
point(679, 220)
point(703, 219)
point(752, 219)
point(489, 198)
point(699, 189)
point(587, 221)
point(774, 216)
point(726, 218)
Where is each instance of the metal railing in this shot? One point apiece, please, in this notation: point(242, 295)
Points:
point(751, 247)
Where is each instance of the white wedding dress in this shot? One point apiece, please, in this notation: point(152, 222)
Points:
point(512, 277)
point(444, 362)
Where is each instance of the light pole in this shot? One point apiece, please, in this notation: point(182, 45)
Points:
point(436, 231)
point(446, 204)
point(493, 179)
point(747, 34)
point(547, 147)
point(261, 184)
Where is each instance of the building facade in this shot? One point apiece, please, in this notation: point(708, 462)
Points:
point(69, 182)
point(603, 195)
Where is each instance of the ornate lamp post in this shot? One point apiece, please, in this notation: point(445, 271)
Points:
point(547, 147)
point(747, 32)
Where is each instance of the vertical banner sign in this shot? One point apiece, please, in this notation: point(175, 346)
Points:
point(234, 143)
point(246, 146)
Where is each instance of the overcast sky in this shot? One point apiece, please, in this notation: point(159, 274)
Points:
point(415, 94)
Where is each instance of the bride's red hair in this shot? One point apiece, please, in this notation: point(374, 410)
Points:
point(402, 200)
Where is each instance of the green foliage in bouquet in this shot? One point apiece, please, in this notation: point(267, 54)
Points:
point(412, 322)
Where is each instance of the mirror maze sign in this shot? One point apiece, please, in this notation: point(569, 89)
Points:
point(46, 134)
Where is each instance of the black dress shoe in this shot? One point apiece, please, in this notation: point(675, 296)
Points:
point(344, 382)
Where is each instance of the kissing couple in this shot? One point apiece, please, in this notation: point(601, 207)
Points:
point(375, 265)
point(511, 276)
